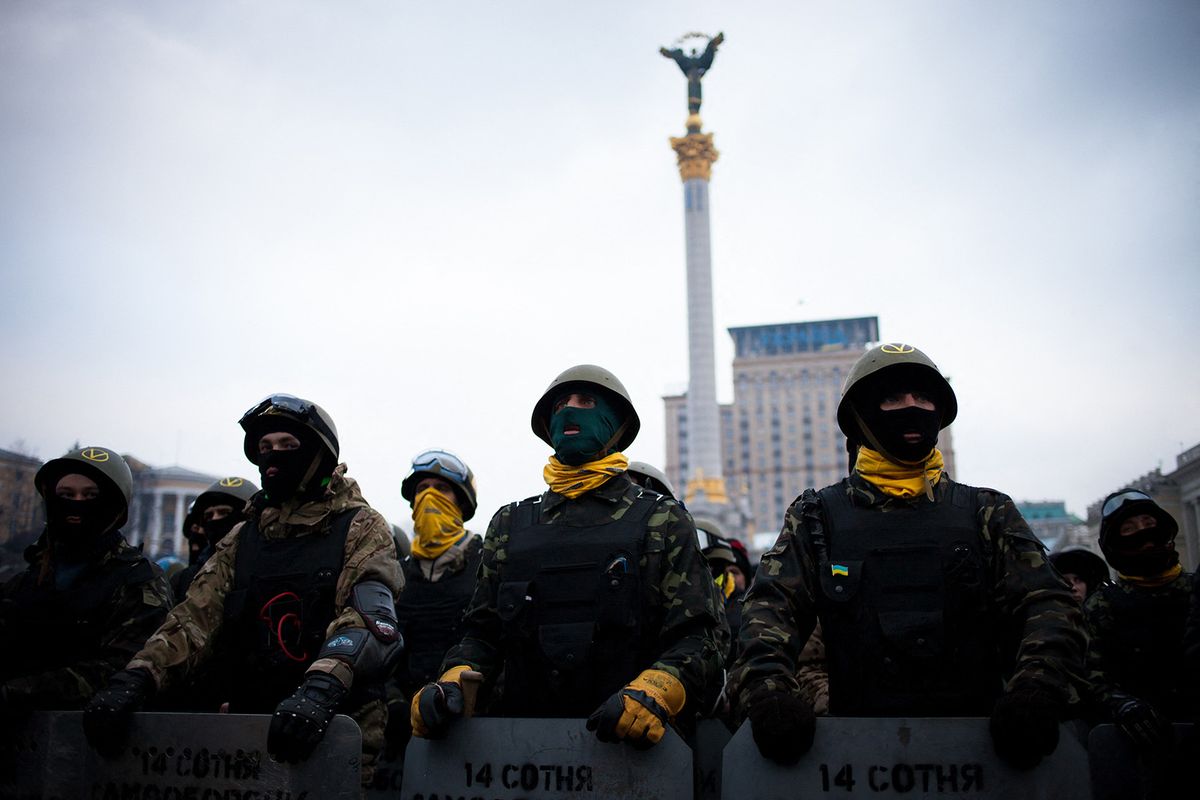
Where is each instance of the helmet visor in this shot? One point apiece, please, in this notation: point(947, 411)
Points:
point(441, 463)
point(1117, 500)
point(285, 402)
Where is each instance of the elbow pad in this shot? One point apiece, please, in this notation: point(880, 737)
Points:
point(371, 652)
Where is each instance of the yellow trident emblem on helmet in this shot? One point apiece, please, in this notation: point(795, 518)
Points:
point(231, 482)
point(897, 349)
point(95, 454)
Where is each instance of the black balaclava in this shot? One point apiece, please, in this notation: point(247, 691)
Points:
point(888, 427)
point(303, 471)
point(95, 533)
point(1125, 553)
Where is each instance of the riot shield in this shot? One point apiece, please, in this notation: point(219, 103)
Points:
point(917, 757)
point(507, 759)
point(174, 756)
point(1119, 771)
point(711, 738)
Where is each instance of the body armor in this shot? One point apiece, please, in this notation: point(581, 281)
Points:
point(57, 628)
point(904, 608)
point(570, 602)
point(279, 608)
point(430, 617)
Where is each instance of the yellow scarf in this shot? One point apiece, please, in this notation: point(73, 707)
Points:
point(437, 523)
point(573, 481)
point(900, 480)
point(1153, 581)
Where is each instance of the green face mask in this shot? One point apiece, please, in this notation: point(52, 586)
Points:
point(597, 426)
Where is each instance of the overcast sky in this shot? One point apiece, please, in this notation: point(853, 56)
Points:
point(417, 214)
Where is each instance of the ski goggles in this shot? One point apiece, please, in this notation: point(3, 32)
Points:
point(288, 403)
point(1117, 500)
point(439, 462)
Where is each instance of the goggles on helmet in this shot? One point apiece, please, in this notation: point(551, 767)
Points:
point(285, 402)
point(443, 463)
point(1117, 500)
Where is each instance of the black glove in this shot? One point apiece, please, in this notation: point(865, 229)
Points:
point(437, 705)
point(300, 720)
point(1025, 727)
point(783, 725)
point(107, 716)
point(1138, 720)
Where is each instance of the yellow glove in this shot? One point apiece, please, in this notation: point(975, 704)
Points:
point(726, 584)
point(437, 704)
point(641, 711)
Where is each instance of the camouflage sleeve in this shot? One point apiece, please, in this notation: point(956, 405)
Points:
point(185, 638)
point(1099, 628)
point(1045, 622)
point(370, 555)
point(813, 673)
point(137, 611)
point(479, 648)
point(691, 610)
point(780, 609)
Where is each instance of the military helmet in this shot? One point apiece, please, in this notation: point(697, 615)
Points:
point(448, 467)
point(295, 410)
point(238, 490)
point(651, 477)
point(713, 544)
point(1120, 506)
point(91, 461)
point(587, 377)
point(890, 356)
point(98, 463)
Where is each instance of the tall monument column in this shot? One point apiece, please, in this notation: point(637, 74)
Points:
point(695, 155)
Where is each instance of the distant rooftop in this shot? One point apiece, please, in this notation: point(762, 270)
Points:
point(1046, 509)
point(177, 473)
point(787, 338)
point(18, 458)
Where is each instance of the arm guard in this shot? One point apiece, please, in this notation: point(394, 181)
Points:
point(370, 652)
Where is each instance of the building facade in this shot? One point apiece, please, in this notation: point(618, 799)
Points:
point(780, 435)
point(161, 499)
point(1054, 525)
point(22, 513)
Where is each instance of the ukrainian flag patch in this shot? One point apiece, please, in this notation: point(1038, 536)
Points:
point(838, 569)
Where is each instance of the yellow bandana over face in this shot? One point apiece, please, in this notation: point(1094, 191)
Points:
point(900, 480)
point(437, 523)
point(573, 481)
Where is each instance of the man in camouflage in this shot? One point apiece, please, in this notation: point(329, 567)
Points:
point(300, 595)
point(925, 589)
point(214, 513)
point(88, 600)
point(593, 597)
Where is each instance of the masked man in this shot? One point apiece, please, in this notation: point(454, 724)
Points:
point(439, 575)
point(212, 516)
point(297, 600)
point(1136, 650)
point(925, 588)
point(593, 597)
point(88, 600)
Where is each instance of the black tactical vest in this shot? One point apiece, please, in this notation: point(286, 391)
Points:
point(1144, 647)
point(904, 608)
point(570, 601)
point(45, 628)
point(430, 617)
point(279, 608)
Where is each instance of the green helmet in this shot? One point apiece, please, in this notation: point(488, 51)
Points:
point(233, 490)
point(651, 477)
point(448, 467)
point(101, 464)
point(885, 357)
point(266, 415)
point(713, 543)
point(587, 377)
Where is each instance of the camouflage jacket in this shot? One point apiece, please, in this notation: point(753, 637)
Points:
point(676, 588)
point(71, 638)
point(781, 610)
point(1136, 646)
point(185, 641)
